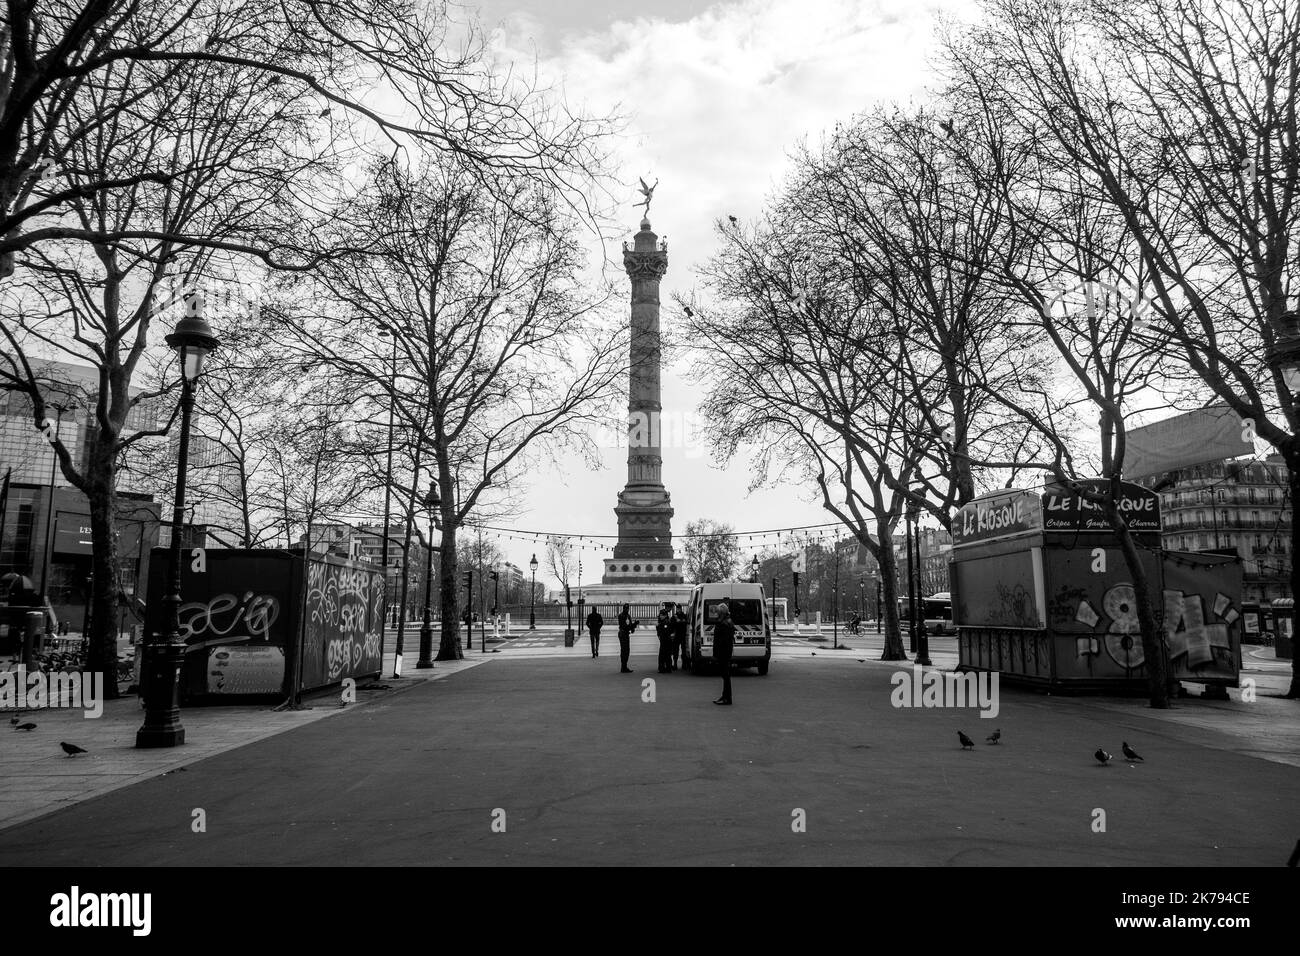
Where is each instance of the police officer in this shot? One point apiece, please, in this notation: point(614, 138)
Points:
point(626, 625)
point(724, 639)
point(664, 631)
point(680, 625)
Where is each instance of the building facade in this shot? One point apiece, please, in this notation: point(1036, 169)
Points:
point(1233, 507)
point(45, 520)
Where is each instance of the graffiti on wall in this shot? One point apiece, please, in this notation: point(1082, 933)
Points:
point(345, 613)
point(1199, 644)
point(228, 619)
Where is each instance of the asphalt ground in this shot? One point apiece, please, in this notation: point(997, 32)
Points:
point(562, 761)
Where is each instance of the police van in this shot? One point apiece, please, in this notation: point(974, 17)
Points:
point(753, 647)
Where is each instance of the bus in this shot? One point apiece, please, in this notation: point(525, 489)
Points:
point(936, 613)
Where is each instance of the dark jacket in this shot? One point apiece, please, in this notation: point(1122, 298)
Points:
point(724, 638)
point(625, 624)
point(664, 627)
point(595, 621)
point(681, 625)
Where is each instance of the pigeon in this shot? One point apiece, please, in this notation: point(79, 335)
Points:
point(965, 741)
point(946, 126)
point(325, 112)
point(994, 737)
point(733, 219)
point(1295, 855)
point(70, 749)
point(689, 313)
point(27, 726)
point(1129, 753)
point(1102, 757)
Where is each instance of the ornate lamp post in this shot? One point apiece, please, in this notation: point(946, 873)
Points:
point(532, 597)
point(753, 570)
point(432, 502)
point(1284, 356)
point(164, 654)
point(60, 408)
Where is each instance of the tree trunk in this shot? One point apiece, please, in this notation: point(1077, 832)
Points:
point(1153, 643)
point(449, 648)
point(100, 490)
point(1292, 455)
point(894, 650)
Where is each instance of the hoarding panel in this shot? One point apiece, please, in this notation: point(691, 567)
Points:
point(345, 616)
point(1207, 434)
point(995, 591)
point(1091, 596)
point(240, 607)
point(1201, 609)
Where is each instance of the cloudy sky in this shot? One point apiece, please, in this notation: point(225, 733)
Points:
point(716, 94)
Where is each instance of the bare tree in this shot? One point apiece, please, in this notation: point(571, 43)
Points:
point(319, 53)
point(499, 354)
point(561, 559)
point(89, 293)
point(1183, 117)
point(710, 551)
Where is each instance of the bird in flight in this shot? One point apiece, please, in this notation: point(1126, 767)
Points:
point(1130, 754)
point(966, 742)
point(995, 736)
point(946, 126)
point(70, 749)
point(1102, 757)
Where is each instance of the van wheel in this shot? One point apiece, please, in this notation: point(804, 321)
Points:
point(762, 668)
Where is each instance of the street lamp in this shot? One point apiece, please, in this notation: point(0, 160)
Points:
point(532, 597)
point(753, 570)
point(60, 408)
point(1284, 356)
point(164, 655)
point(432, 502)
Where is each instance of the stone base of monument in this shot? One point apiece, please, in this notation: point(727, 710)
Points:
point(620, 594)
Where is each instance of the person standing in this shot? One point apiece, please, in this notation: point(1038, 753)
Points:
point(595, 621)
point(680, 626)
point(626, 625)
point(664, 631)
point(724, 639)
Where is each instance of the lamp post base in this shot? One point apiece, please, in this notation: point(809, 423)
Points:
point(160, 671)
point(426, 648)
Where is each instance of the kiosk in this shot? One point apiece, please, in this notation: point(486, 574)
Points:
point(1042, 594)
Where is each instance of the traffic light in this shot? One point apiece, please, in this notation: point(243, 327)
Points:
point(495, 576)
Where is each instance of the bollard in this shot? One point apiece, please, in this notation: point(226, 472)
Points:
point(819, 623)
point(507, 623)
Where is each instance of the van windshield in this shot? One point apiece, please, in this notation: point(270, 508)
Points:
point(745, 612)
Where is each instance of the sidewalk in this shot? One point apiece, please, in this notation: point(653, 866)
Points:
point(39, 778)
